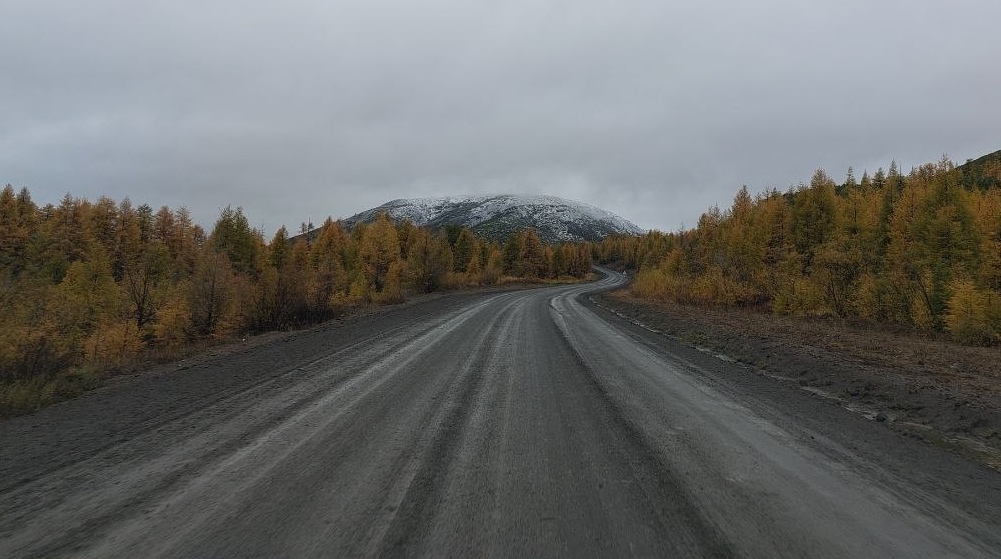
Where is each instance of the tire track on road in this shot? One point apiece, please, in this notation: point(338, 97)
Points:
point(422, 495)
point(680, 519)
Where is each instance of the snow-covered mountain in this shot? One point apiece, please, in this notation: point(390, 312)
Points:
point(496, 217)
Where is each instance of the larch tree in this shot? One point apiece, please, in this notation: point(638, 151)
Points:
point(532, 257)
point(464, 249)
point(378, 250)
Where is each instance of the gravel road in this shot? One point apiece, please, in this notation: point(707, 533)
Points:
point(518, 424)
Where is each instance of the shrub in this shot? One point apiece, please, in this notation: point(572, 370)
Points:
point(973, 316)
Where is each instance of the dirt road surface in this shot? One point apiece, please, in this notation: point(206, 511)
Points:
point(518, 424)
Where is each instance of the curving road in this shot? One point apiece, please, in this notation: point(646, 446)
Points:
point(516, 424)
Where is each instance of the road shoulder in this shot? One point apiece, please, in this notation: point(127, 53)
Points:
point(725, 357)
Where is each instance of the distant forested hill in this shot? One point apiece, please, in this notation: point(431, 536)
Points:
point(983, 172)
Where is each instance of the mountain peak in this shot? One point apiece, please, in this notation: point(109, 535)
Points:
point(498, 216)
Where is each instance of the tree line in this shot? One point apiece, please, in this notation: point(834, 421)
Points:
point(88, 286)
point(920, 251)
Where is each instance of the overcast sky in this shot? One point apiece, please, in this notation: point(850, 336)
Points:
point(654, 110)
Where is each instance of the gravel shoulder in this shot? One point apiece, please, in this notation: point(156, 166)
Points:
point(945, 394)
point(128, 405)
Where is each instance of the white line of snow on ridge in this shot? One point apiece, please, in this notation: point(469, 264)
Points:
point(553, 211)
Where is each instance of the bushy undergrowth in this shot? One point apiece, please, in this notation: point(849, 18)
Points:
point(25, 396)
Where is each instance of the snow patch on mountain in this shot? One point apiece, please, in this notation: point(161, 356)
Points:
point(555, 219)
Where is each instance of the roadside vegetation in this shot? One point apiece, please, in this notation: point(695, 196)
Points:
point(88, 289)
point(918, 252)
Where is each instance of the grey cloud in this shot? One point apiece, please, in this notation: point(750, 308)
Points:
point(653, 110)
